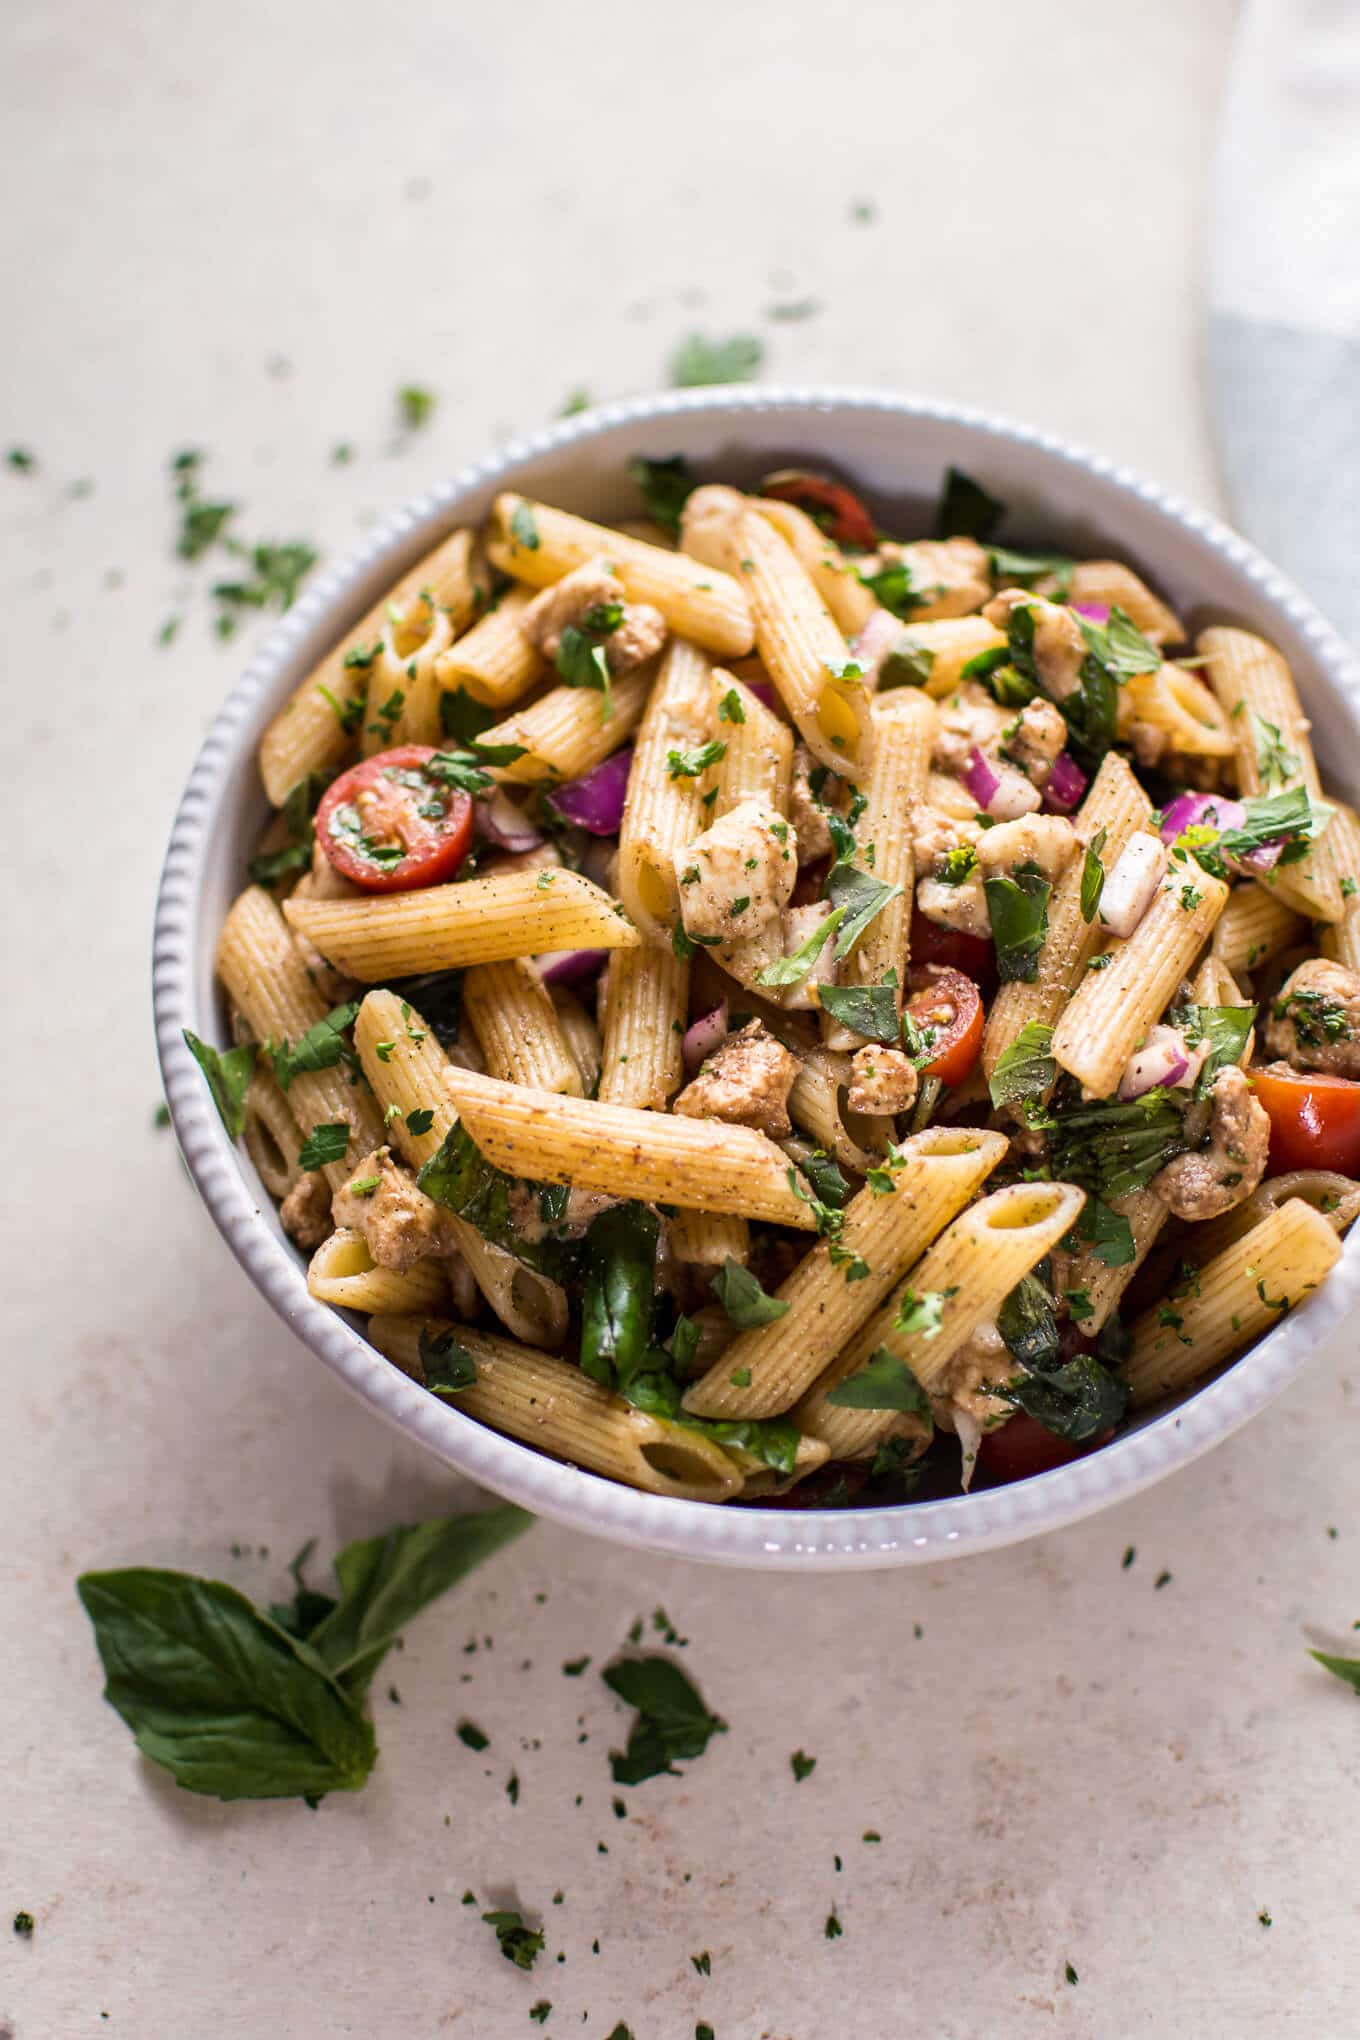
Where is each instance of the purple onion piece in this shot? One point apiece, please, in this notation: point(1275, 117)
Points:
point(1094, 612)
point(595, 801)
point(570, 966)
point(981, 778)
point(1163, 1060)
point(1191, 810)
point(763, 690)
point(703, 1037)
point(499, 821)
point(1067, 783)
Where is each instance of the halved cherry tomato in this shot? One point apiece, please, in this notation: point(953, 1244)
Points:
point(836, 509)
point(946, 1004)
point(975, 955)
point(1021, 1447)
point(1314, 1119)
point(391, 824)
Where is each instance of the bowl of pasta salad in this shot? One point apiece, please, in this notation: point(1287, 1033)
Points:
point(776, 976)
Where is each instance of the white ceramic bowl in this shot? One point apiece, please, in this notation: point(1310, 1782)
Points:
point(896, 449)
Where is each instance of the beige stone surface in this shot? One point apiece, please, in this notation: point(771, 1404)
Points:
point(242, 226)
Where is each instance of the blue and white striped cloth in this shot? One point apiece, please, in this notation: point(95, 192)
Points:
point(1284, 294)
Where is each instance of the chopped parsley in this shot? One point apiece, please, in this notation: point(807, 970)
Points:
point(320, 1048)
point(802, 1765)
point(1275, 762)
point(1092, 876)
point(923, 1313)
point(697, 362)
point(730, 709)
point(741, 1296)
point(475, 1738)
point(523, 527)
point(420, 1121)
point(519, 1944)
point(690, 764)
point(415, 405)
point(448, 1367)
point(324, 1144)
point(23, 1921)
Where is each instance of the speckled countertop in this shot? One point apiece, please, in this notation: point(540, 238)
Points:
point(242, 227)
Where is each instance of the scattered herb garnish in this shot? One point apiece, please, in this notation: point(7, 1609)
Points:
point(415, 405)
point(697, 361)
point(666, 487)
point(885, 1382)
point(518, 1943)
point(228, 1072)
point(802, 1765)
point(741, 1296)
point(672, 1722)
point(324, 1144)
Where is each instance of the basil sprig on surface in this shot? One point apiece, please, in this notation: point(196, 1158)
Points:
point(236, 1705)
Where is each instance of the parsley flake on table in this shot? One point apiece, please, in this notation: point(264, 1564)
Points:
point(833, 1928)
point(415, 405)
point(802, 1765)
point(539, 2012)
point(1070, 1973)
point(671, 1723)
point(703, 1964)
point(475, 1738)
point(23, 1925)
point(574, 1667)
point(697, 361)
point(518, 1943)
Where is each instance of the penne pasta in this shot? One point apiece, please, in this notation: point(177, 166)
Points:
point(947, 646)
point(1254, 928)
point(444, 927)
point(570, 730)
point(1179, 705)
point(904, 730)
point(493, 662)
point(706, 1239)
point(516, 1026)
point(662, 811)
point(758, 764)
point(272, 1136)
point(645, 1003)
point(851, 604)
point(582, 1037)
point(1239, 1294)
point(540, 545)
point(1342, 940)
point(616, 1149)
point(342, 1272)
point(884, 1231)
point(1109, 584)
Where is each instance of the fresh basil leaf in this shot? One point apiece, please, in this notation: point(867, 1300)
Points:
point(741, 1296)
point(581, 661)
point(300, 1616)
point(620, 1286)
point(229, 1703)
point(827, 1181)
point(1290, 815)
point(324, 1144)
point(523, 527)
point(870, 1010)
point(1006, 565)
point(1091, 713)
point(464, 719)
point(228, 1072)
point(697, 361)
point(791, 970)
point(1076, 1401)
point(1119, 646)
point(894, 588)
point(463, 1181)
point(666, 487)
point(519, 1944)
point(272, 865)
point(984, 664)
point(448, 1366)
point(1028, 1322)
point(1018, 907)
point(883, 1383)
point(386, 1581)
point(1092, 876)
point(1113, 1147)
point(672, 1722)
point(772, 1440)
point(1107, 1233)
point(859, 897)
point(1225, 1028)
point(1026, 1069)
point(906, 665)
point(321, 1047)
point(965, 509)
point(438, 998)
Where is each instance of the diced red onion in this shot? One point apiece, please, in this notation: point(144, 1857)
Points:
point(499, 821)
point(1193, 810)
point(1095, 612)
point(1066, 784)
point(703, 1037)
point(595, 801)
point(1263, 858)
point(763, 690)
point(1130, 886)
point(1163, 1059)
point(981, 778)
point(570, 966)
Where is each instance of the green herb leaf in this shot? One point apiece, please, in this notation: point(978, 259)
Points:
point(802, 1765)
point(448, 1366)
point(1092, 876)
point(229, 1703)
point(828, 1183)
point(1028, 1322)
point(741, 1296)
point(272, 865)
point(672, 1721)
point(883, 1383)
point(461, 770)
point(463, 1181)
point(228, 1072)
point(1112, 1147)
point(791, 970)
point(666, 487)
point(324, 1144)
point(730, 709)
point(689, 764)
point(965, 509)
point(1225, 1028)
point(870, 1010)
point(464, 719)
point(1076, 1401)
point(620, 1285)
point(906, 665)
point(697, 361)
point(1025, 567)
point(321, 1047)
point(1275, 762)
point(1107, 1233)
point(894, 587)
point(582, 662)
point(519, 1944)
point(416, 405)
point(1291, 816)
point(859, 897)
point(1026, 1069)
point(923, 1313)
point(1119, 646)
point(1347, 1668)
point(523, 528)
point(1018, 907)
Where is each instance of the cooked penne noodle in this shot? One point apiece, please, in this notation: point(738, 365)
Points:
point(1108, 582)
point(1253, 929)
point(803, 651)
point(1179, 704)
point(569, 730)
point(493, 662)
point(883, 1230)
point(1274, 753)
point(540, 545)
point(272, 1136)
point(706, 1239)
point(553, 1406)
point(267, 982)
point(1334, 1197)
point(1116, 803)
point(851, 604)
point(582, 1037)
point(481, 920)
point(343, 1272)
point(971, 1268)
point(515, 1022)
point(1342, 939)
point(313, 732)
point(1111, 1010)
point(853, 1139)
point(646, 995)
point(947, 645)
point(758, 764)
point(1239, 1294)
point(662, 810)
point(904, 730)
point(701, 1164)
point(403, 693)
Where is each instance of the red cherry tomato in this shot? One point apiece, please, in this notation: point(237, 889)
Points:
point(391, 824)
point(1314, 1119)
point(1021, 1447)
point(946, 1004)
point(835, 508)
point(974, 955)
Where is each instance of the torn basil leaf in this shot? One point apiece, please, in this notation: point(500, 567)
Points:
point(883, 1383)
point(228, 1072)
